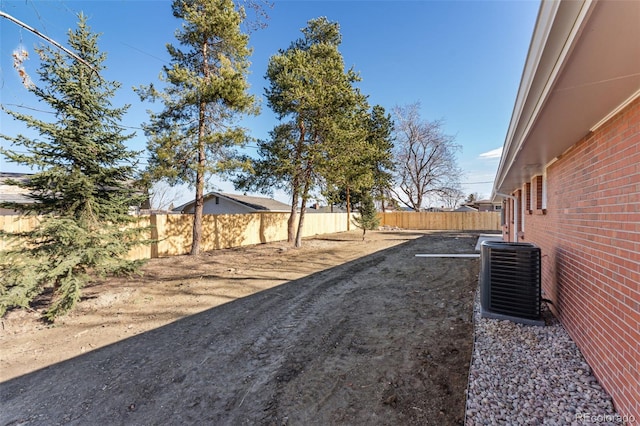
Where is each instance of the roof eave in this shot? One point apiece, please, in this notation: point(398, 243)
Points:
point(582, 68)
point(557, 25)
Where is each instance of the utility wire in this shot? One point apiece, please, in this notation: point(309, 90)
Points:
point(476, 183)
point(50, 40)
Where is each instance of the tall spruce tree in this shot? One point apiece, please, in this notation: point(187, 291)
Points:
point(206, 91)
point(81, 190)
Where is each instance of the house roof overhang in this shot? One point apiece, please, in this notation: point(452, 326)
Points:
point(582, 67)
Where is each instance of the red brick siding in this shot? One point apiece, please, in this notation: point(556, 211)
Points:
point(590, 243)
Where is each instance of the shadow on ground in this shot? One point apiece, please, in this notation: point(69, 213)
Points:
point(384, 339)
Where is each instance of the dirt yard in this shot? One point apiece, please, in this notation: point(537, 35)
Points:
point(340, 331)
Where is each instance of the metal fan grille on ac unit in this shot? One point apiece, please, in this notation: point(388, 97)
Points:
point(510, 279)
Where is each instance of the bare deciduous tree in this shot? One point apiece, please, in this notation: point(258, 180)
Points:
point(163, 196)
point(425, 157)
point(451, 197)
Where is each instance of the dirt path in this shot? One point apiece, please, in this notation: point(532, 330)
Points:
point(384, 338)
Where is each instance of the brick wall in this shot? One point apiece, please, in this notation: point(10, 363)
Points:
point(589, 236)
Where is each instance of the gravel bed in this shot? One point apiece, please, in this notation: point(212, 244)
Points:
point(532, 375)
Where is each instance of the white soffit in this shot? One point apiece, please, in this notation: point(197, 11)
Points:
point(583, 63)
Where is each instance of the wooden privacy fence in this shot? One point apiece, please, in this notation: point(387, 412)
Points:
point(174, 232)
point(461, 221)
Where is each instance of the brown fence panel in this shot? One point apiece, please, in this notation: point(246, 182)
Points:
point(174, 234)
point(460, 221)
point(14, 223)
point(273, 227)
point(231, 230)
point(144, 251)
point(324, 223)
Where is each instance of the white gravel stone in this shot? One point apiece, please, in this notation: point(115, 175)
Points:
point(531, 375)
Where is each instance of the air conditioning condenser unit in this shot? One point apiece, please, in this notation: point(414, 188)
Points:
point(510, 283)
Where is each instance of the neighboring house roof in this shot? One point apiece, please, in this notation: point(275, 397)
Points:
point(326, 209)
point(466, 209)
point(583, 66)
point(484, 205)
point(483, 202)
point(253, 203)
point(259, 203)
point(13, 193)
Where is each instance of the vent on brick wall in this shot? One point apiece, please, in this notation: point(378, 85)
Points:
point(510, 281)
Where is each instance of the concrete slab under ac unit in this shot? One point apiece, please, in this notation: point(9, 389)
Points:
point(493, 315)
point(487, 237)
point(471, 255)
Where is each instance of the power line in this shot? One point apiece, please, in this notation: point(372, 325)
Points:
point(476, 183)
point(120, 126)
point(33, 5)
point(31, 108)
point(143, 52)
point(50, 40)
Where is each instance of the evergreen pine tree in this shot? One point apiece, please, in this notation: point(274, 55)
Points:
point(82, 188)
point(380, 137)
point(368, 219)
point(206, 92)
point(310, 88)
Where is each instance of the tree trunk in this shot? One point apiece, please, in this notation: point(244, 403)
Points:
point(303, 208)
point(383, 198)
point(199, 202)
point(295, 184)
point(291, 223)
point(200, 170)
point(348, 209)
point(300, 223)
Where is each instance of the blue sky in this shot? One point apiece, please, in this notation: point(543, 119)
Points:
point(461, 60)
